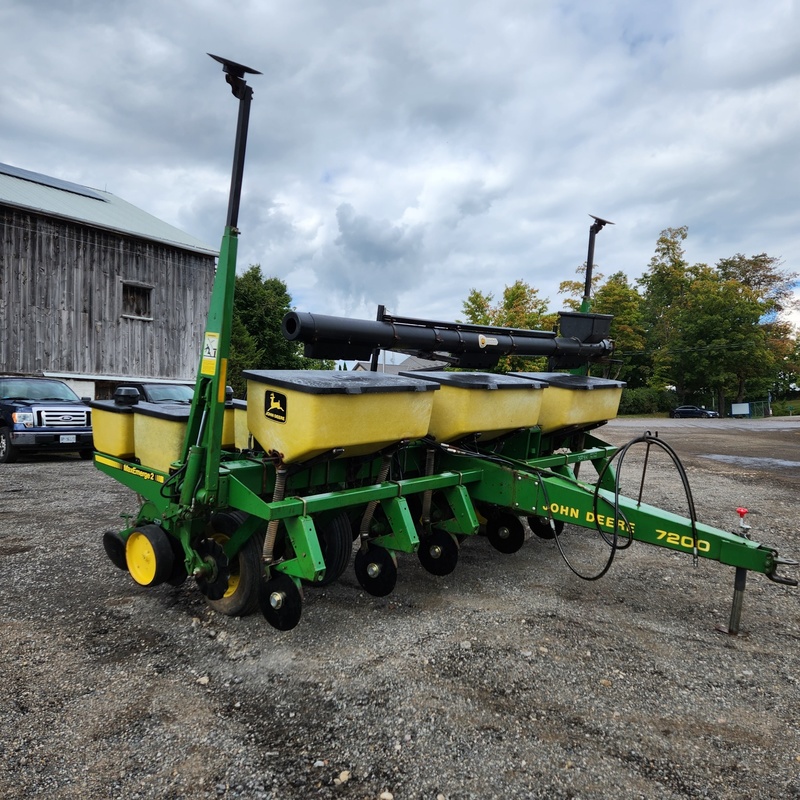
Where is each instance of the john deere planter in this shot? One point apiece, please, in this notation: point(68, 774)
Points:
point(256, 501)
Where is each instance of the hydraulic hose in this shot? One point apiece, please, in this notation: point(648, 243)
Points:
point(650, 440)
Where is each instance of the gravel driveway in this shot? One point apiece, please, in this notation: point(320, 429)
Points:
point(510, 678)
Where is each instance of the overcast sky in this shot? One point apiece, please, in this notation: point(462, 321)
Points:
point(405, 152)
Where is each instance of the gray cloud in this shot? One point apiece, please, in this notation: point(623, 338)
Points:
point(404, 153)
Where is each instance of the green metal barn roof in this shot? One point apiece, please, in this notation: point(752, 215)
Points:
point(56, 198)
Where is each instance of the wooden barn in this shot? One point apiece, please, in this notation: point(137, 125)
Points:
point(94, 290)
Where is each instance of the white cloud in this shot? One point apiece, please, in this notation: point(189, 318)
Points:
point(405, 152)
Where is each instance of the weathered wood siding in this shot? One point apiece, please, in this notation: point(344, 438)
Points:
point(61, 301)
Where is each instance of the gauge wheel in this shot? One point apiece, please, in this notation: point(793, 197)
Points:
point(438, 553)
point(8, 453)
point(376, 570)
point(148, 555)
point(540, 526)
point(336, 544)
point(280, 601)
point(505, 532)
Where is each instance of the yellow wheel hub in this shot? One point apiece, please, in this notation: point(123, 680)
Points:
point(233, 580)
point(233, 585)
point(141, 558)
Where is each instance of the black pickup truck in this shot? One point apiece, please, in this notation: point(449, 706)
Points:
point(42, 415)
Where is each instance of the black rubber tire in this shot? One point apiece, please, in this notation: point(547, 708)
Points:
point(336, 544)
point(149, 555)
point(246, 569)
point(214, 582)
point(8, 453)
point(86, 455)
point(179, 573)
point(114, 545)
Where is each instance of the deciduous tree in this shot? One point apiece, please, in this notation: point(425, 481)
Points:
point(520, 307)
point(628, 328)
point(259, 305)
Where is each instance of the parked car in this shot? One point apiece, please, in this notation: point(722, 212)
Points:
point(40, 415)
point(692, 411)
point(161, 392)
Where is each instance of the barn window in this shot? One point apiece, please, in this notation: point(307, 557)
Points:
point(136, 300)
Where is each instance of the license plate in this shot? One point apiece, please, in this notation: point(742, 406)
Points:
point(68, 439)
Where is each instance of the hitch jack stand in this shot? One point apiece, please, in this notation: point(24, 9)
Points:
point(739, 583)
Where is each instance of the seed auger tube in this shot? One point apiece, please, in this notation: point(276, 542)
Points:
point(463, 345)
point(258, 501)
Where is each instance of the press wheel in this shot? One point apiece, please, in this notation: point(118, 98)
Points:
point(438, 553)
point(280, 601)
point(213, 583)
point(376, 570)
point(336, 544)
point(245, 568)
point(505, 532)
point(540, 526)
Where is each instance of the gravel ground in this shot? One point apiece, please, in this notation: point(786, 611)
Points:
point(510, 678)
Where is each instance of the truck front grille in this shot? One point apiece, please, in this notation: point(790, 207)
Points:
point(63, 418)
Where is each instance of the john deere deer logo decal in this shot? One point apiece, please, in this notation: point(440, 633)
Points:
point(275, 406)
